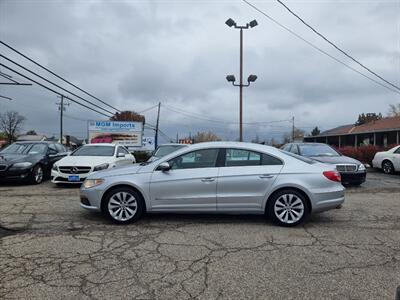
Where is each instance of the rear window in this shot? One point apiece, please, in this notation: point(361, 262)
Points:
point(302, 158)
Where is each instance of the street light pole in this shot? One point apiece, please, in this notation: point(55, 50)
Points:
point(241, 86)
point(231, 78)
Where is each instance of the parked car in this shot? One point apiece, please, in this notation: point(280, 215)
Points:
point(165, 149)
point(29, 161)
point(352, 171)
point(88, 159)
point(388, 161)
point(223, 177)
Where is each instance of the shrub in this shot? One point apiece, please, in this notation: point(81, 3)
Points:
point(141, 156)
point(365, 154)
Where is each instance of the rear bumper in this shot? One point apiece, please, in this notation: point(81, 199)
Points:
point(353, 178)
point(325, 200)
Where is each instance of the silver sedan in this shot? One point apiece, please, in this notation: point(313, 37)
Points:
point(217, 177)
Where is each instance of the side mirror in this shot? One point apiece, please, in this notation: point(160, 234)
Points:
point(120, 155)
point(164, 166)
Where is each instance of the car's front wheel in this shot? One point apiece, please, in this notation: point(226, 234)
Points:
point(123, 205)
point(287, 208)
point(387, 167)
point(37, 174)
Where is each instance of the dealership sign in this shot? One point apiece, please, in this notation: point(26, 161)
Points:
point(119, 132)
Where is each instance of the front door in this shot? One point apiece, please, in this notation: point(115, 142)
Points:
point(190, 184)
point(245, 179)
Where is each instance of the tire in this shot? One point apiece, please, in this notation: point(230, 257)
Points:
point(123, 205)
point(287, 208)
point(387, 167)
point(37, 174)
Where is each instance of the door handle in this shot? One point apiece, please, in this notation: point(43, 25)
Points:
point(266, 176)
point(209, 179)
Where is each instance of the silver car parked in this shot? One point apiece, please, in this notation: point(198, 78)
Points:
point(217, 177)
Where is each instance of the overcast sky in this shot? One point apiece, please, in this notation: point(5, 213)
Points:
point(134, 54)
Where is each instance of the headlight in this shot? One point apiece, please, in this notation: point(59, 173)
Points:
point(22, 165)
point(89, 183)
point(100, 167)
point(361, 167)
point(55, 168)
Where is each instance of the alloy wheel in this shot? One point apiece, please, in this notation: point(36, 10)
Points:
point(387, 167)
point(122, 206)
point(289, 208)
point(38, 174)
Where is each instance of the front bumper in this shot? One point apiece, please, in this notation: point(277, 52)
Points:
point(91, 198)
point(353, 178)
point(15, 174)
point(58, 177)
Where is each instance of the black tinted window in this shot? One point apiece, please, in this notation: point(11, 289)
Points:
point(60, 148)
point(397, 151)
point(205, 158)
point(241, 157)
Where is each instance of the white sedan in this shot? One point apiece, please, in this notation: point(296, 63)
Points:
point(88, 159)
point(388, 161)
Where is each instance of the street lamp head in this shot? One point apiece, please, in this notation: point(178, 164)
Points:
point(230, 22)
point(252, 78)
point(231, 78)
point(253, 23)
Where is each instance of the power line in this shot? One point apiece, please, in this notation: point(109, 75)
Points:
point(147, 109)
point(65, 90)
point(319, 49)
point(336, 47)
point(52, 90)
point(59, 77)
point(201, 117)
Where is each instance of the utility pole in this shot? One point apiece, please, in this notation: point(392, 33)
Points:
point(293, 129)
point(61, 108)
point(231, 78)
point(157, 124)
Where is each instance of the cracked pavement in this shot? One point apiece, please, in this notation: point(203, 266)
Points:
point(50, 248)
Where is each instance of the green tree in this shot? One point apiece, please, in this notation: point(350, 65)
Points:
point(31, 132)
point(369, 117)
point(315, 131)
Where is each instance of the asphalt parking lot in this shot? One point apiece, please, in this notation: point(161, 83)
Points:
point(52, 249)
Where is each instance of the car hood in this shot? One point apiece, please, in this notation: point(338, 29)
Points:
point(10, 158)
point(90, 161)
point(336, 159)
point(123, 170)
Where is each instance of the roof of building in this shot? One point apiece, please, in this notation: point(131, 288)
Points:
point(390, 123)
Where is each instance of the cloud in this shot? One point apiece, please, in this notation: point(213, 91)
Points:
point(136, 53)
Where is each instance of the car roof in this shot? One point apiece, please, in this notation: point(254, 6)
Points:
point(308, 144)
point(102, 144)
point(222, 144)
point(35, 142)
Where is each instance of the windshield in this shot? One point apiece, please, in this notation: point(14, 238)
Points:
point(317, 150)
point(94, 151)
point(167, 149)
point(25, 148)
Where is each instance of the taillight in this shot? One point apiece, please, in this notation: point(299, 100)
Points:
point(332, 175)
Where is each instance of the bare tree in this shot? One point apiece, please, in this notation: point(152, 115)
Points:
point(10, 124)
point(394, 110)
point(298, 135)
point(205, 137)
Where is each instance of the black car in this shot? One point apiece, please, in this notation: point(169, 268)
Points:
point(29, 161)
point(351, 170)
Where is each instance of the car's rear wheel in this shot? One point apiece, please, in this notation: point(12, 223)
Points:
point(287, 208)
point(387, 167)
point(37, 174)
point(123, 205)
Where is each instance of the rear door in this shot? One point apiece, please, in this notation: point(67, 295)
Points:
point(190, 185)
point(244, 179)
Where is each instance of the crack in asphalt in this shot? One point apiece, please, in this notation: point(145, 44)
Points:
point(56, 250)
